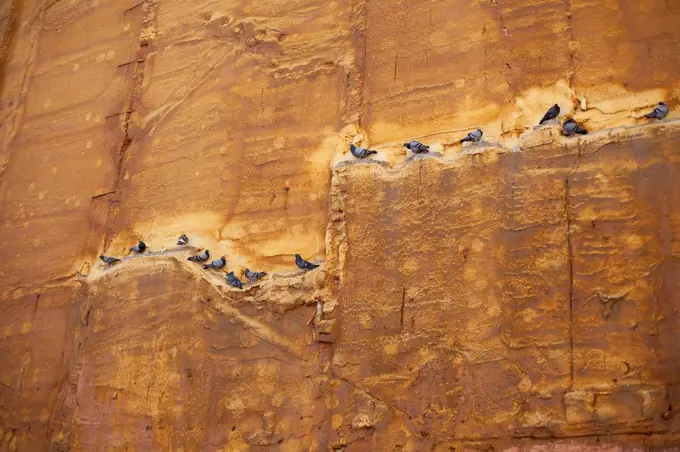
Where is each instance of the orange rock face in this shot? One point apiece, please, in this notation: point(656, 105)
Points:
point(517, 294)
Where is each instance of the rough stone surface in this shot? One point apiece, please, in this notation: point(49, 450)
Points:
point(520, 294)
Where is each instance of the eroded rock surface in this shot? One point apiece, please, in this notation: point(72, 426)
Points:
point(518, 294)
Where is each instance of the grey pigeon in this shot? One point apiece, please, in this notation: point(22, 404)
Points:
point(183, 239)
point(303, 264)
point(139, 248)
point(660, 112)
point(108, 260)
point(360, 152)
point(571, 127)
point(473, 136)
point(204, 256)
point(254, 276)
point(216, 264)
point(234, 281)
point(552, 113)
point(416, 147)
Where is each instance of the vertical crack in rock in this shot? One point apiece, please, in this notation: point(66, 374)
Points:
point(35, 23)
point(570, 251)
point(147, 32)
point(403, 300)
point(8, 34)
point(355, 73)
point(336, 232)
point(572, 49)
point(336, 250)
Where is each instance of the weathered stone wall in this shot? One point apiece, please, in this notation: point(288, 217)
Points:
point(517, 294)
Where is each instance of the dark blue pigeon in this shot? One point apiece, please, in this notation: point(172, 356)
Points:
point(360, 152)
point(108, 260)
point(571, 127)
point(234, 281)
point(254, 276)
point(204, 256)
point(303, 264)
point(216, 264)
point(660, 112)
point(552, 113)
point(473, 136)
point(416, 147)
point(139, 248)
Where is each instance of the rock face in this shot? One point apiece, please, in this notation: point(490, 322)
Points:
point(518, 294)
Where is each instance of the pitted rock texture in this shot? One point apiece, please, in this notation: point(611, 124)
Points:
point(518, 294)
point(558, 306)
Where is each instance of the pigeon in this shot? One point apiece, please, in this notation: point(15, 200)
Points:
point(416, 147)
point(660, 112)
point(139, 248)
point(552, 113)
point(204, 256)
point(571, 127)
point(216, 264)
point(234, 281)
point(254, 276)
point(474, 136)
point(108, 260)
point(303, 264)
point(183, 239)
point(360, 152)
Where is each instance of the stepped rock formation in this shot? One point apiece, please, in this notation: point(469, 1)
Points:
point(518, 294)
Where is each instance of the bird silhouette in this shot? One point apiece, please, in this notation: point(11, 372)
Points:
point(216, 264)
point(108, 260)
point(234, 281)
point(139, 247)
point(571, 127)
point(660, 112)
point(303, 264)
point(473, 136)
point(417, 147)
point(552, 113)
point(204, 256)
point(183, 239)
point(254, 276)
point(360, 152)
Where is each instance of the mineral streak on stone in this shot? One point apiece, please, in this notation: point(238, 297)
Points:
point(521, 294)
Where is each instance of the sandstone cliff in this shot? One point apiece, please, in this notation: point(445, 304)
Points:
point(521, 294)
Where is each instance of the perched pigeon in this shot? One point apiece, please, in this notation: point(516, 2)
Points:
point(360, 152)
point(234, 281)
point(108, 260)
point(474, 136)
point(416, 147)
point(254, 276)
point(303, 264)
point(570, 127)
point(660, 112)
point(216, 264)
point(552, 113)
point(204, 256)
point(183, 239)
point(139, 248)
